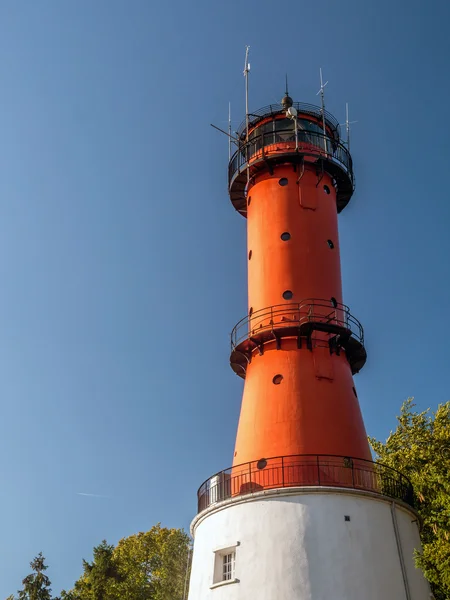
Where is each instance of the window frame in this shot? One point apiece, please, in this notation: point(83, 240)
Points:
point(224, 570)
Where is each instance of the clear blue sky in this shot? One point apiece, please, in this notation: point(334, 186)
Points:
point(123, 263)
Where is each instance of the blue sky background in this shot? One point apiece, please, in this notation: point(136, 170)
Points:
point(123, 263)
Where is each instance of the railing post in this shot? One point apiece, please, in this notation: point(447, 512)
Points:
point(282, 470)
point(318, 469)
point(222, 485)
point(250, 476)
point(353, 474)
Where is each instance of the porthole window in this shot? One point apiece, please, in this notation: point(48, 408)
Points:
point(250, 255)
point(250, 312)
point(326, 189)
point(283, 181)
point(277, 379)
point(249, 200)
point(330, 244)
point(334, 302)
point(287, 295)
point(285, 236)
point(354, 391)
point(261, 464)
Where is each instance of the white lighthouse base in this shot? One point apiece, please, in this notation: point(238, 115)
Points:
point(307, 544)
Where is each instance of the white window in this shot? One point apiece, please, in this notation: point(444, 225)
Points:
point(225, 566)
point(228, 563)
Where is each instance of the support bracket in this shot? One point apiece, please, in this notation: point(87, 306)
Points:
point(320, 174)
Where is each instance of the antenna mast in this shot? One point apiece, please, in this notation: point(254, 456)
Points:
point(229, 131)
point(347, 125)
point(246, 72)
point(322, 98)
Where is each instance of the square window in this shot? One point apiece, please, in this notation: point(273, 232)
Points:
point(225, 566)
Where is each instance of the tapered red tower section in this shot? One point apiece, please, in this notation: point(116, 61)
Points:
point(303, 513)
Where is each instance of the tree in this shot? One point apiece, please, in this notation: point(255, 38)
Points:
point(420, 449)
point(153, 564)
point(144, 566)
point(36, 586)
point(99, 577)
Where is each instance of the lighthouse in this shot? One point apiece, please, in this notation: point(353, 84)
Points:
point(303, 513)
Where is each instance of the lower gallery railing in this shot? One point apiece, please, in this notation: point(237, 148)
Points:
point(305, 471)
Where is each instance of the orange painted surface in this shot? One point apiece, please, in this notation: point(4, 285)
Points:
point(314, 410)
point(307, 413)
point(305, 264)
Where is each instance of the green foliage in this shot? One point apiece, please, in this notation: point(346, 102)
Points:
point(36, 586)
point(420, 449)
point(145, 566)
point(98, 578)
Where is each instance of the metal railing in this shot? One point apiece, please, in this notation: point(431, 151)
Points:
point(305, 470)
point(307, 143)
point(321, 312)
point(302, 107)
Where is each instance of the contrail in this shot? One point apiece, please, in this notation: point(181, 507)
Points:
point(92, 495)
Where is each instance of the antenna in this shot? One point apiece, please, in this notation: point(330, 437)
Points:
point(246, 72)
point(287, 89)
point(322, 98)
point(232, 137)
point(229, 131)
point(347, 126)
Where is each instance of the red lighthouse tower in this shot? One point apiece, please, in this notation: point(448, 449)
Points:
point(303, 513)
point(299, 345)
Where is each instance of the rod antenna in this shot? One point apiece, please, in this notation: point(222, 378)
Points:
point(246, 72)
point(229, 131)
point(322, 99)
point(347, 126)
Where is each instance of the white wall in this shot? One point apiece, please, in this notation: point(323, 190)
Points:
point(299, 547)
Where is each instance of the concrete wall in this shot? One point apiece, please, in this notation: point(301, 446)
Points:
point(300, 547)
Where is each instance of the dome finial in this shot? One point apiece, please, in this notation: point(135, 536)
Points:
point(287, 101)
